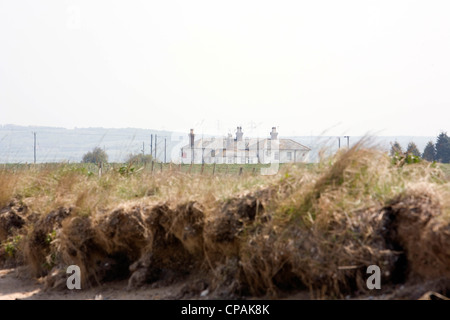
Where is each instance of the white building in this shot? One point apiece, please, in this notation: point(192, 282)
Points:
point(243, 150)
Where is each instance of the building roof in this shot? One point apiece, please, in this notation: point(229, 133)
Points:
point(289, 144)
point(212, 143)
point(209, 143)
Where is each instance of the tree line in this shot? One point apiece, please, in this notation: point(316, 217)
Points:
point(439, 151)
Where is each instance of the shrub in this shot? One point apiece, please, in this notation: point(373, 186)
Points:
point(97, 155)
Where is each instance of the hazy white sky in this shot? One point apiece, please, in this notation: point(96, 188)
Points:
point(344, 67)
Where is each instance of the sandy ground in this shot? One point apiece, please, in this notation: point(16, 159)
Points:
point(14, 286)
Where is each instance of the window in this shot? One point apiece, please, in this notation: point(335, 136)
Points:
point(277, 156)
point(268, 153)
point(289, 156)
point(213, 153)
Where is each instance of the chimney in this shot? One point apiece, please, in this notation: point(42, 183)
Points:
point(191, 138)
point(274, 134)
point(229, 140)
point(239, 134)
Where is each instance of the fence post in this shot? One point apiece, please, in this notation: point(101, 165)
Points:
point(153, 164)
point(160, 165)
point(100, 166)
point(240, 171)
point(203, 167)
point(214, 168)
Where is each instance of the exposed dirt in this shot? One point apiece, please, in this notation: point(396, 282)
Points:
point(159, 252)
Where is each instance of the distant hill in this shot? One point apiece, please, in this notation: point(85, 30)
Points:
point(60, 144)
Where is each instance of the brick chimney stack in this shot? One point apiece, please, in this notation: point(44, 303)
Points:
point(229, 140)
point(191, 138)
point(239, 134)
point(274, 134)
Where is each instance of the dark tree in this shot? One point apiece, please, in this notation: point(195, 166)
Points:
point(396, 148)
point(443, 148)
point(412, 149)
point(429, 153)
point(95, 156)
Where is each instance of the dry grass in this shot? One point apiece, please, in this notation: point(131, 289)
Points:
point(308, 227)
point(8, 182)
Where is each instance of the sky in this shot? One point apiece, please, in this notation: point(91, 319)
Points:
point(305, 67)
